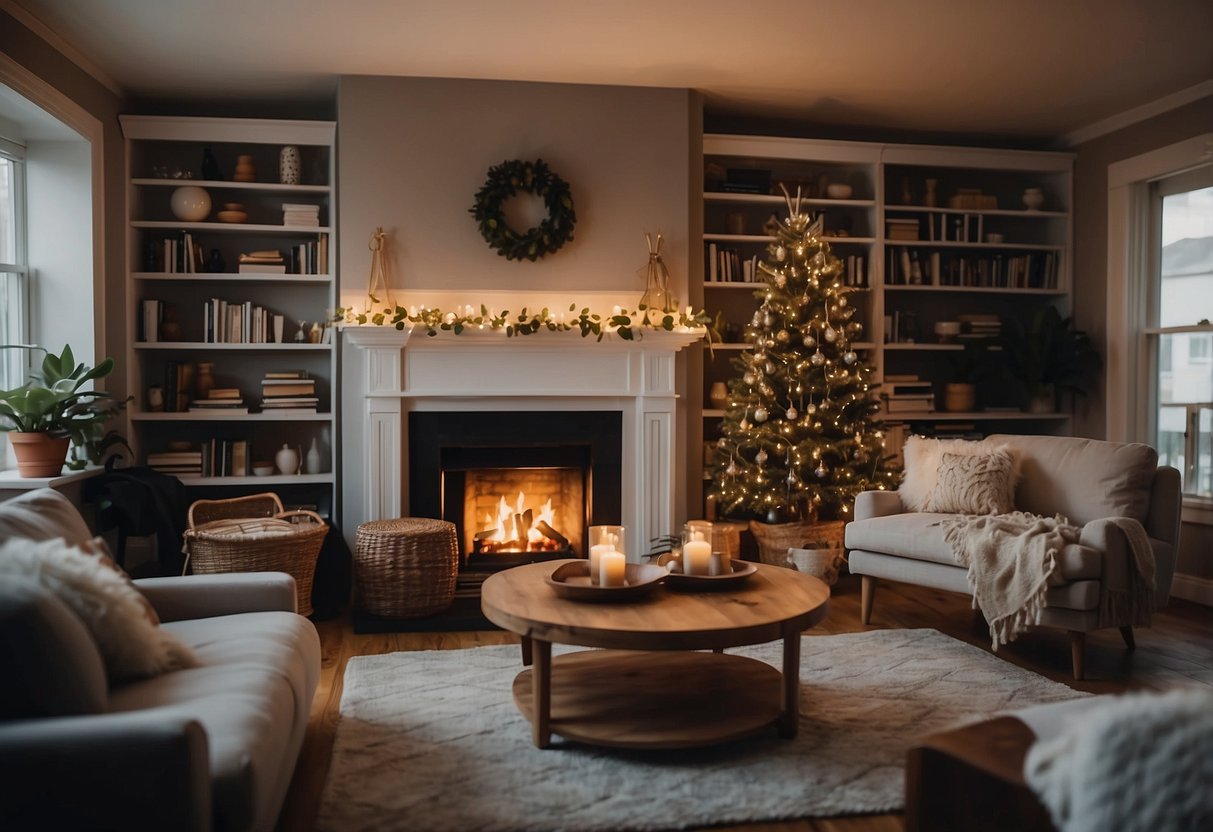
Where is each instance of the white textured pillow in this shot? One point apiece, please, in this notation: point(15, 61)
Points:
point(974, 484)
point(111, 608)
point(923, 457)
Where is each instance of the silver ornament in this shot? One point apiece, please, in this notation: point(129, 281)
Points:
point(748, 378)
point(849, 357)
point(782, 336)
point(811, 409)
point(760, 457)
point(768, 320)
point(722, 442)
point(817, 359)
point(781, 253)
point(821, 471)
point(792, 478)
point(842, 301)
point(781, 281)
point(769, 343)
point(791, 413)
point(810, 341)
point(830, 335)
point(760, 414)
point(744, 424)
point(732, 469)
point(770, 366)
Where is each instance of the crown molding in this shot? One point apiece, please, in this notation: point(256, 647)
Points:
point(1138, 114)
point(56, 42)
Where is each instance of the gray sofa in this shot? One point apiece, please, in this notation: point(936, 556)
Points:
point(1085, 480)
point(208, 747)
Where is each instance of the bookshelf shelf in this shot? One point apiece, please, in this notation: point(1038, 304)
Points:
point(977, 416)
point(198, 303)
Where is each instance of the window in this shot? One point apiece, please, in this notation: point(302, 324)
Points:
point(13, 270)
point(1179, 307)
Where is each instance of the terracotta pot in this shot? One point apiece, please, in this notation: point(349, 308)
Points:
point(39, 454)
point(959, 398)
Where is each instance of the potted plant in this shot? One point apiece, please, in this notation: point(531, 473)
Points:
point(1047, 355)
point(51, 411)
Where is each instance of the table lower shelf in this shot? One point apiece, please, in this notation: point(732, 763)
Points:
point(660, 699)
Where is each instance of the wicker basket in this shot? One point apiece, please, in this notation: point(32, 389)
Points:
point(774, 539)
point(405, 568)
point(287, 541)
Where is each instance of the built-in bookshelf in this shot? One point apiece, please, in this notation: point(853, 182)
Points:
point(935, 234)
point(245, 286)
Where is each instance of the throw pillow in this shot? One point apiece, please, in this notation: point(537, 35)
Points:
point(974, 484)
point(922, 459)
point(98, 548)
point(111, 608)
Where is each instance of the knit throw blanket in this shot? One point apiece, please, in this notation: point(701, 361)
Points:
point(1139, 763)
point(1012, 561)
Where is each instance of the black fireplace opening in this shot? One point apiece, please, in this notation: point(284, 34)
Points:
point(520, 486)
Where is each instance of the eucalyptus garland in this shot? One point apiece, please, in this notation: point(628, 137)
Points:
point(507, 180)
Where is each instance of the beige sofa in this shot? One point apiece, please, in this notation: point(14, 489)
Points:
point(208, 747)
point(1085, 480)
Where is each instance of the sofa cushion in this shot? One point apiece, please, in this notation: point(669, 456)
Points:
point(919, 536)
point(922, 458)
point(1082, 479)
point(974, 483)
point(249, 691)
point(52, 665)
point(42, 514)
point(106, 602)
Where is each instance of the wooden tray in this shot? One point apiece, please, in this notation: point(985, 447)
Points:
point(742, 570)
point(572, 581)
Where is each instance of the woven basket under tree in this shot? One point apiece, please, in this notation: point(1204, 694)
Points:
point(774, 539)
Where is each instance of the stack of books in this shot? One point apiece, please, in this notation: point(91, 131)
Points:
point(262, 262)
point(907, 394)
point(176, 462)
point(221, 400)
point(901, 229)
point(225, 458)
point(288, 391)
point(977, 327)
point(294, 214)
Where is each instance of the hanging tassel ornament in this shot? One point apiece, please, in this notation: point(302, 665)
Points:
point(378, 289)
point(657, 299)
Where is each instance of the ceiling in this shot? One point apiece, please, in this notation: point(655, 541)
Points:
point(1015, 68)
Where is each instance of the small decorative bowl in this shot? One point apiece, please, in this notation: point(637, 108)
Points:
point(263, 469)
point(838, 190)
point(229, 215)
point(947, 330)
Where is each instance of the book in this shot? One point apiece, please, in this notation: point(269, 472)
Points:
point(152, 312)
point(230, 411)
point(261, 268)
point(285, 374)
point(896, 406)
point(224, 393)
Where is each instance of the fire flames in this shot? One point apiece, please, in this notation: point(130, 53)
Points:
point(520, 529)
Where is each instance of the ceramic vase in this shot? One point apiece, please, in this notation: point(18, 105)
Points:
point(1033, 198)
point(190, 203)
point(288, 165)
point(245, 172)
point(287, 460)
point(313, 463)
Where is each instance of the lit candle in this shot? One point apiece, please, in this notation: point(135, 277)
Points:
point(697, 555)
point(613, 565)
point(720, 564)
point(596, 553)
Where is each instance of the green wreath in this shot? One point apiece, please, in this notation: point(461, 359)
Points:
point(506, 180)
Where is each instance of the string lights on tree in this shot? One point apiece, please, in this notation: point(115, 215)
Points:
point(800, 437)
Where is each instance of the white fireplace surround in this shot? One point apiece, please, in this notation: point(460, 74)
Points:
point(392, 373)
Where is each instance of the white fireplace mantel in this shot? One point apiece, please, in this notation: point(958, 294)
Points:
point(396, 372)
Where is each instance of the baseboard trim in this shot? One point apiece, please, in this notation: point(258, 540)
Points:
point(1191, 588)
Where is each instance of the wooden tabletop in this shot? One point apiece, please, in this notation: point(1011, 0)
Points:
point(762, 609)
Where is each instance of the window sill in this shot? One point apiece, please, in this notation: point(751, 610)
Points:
point(10, 480)
point(1197, 510)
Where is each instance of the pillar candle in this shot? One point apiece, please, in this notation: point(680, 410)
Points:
point(596, 553)
point(696, 555)
point(720, 564)
point(613, 565)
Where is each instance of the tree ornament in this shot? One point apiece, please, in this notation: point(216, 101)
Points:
point(768, 320)
point(760, 457)
point(830, 335)
point(769, 343)
point(821, 471)
point(810, 341)
point(744, 424)
point(792, 479)
point(817, 359)
point(850, 357)
point(770, 366)
point(732, 469)
point(782, 336)
point(760, 414)
point(811, 409)
point(791, 413)
point(749, 379)
point(781, 281)
point(722, 442)
point(506, 180)
point(842, 301)
point(781, 253)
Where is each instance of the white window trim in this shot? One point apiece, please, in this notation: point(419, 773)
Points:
point(1126, 380)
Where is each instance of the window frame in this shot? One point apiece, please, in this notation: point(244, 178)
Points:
point(15, 363)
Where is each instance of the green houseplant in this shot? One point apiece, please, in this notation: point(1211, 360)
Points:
point(51, 411)
point(1047, 355)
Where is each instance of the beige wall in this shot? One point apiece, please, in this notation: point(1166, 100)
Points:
point(34, 54)
point(1090, 261)
point(414, 151)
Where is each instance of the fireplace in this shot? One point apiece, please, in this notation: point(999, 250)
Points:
point(520, 486)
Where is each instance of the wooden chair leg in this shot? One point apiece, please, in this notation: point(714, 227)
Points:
point(1127, 634)
point(867, 589)
point(1078, 644)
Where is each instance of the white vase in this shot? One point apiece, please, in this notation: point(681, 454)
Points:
point(190, 203)
point(288, 165)
point(287, 460)
point(313, 462)
point(1033, 198)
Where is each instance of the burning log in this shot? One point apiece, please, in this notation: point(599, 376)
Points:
point(484, 534)
point(551, 534)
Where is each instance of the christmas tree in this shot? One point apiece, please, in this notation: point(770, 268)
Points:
point(800, 437)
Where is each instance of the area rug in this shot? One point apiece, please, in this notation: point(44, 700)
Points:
point(431, 741)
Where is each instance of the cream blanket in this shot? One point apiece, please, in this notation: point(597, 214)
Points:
point(1012, 561)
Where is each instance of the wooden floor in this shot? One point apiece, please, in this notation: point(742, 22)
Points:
point(1178, 649)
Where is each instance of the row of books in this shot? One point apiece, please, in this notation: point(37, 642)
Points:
point(179, 254)
point(220, 400)
point(296, 214)
point(907, 394)
point(216, 458)
point(240, 323)
point(288, 391)
point(907, 266)
point(726, 265)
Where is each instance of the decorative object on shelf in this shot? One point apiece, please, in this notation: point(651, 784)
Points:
point(947, 331)
point(1033, 198)
point(1047, 356)
point(204, 380)
point(289, 165)
point(263, 469)
point(378, 286)
point(215, 264)
point(51, 411)
point(210, 165)
point(245, 171)
point(657, 302)
point(801, 436)
point(190, 203)
point(170, 326)
point(287, 460)
point(719, 395)
point(839, 190)
point(506, 180)
point(735, 222)
point(994, 238)
point(232, 212)
point(301, 334)
point(315, 335)
point(313, 463)
point(155, 399)
point(959, 397)
point(930, 197)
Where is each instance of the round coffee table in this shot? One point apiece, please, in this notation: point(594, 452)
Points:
point(638, 694)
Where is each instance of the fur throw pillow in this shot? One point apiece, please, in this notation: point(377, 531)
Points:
point(974, 484)
point(108, 604)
